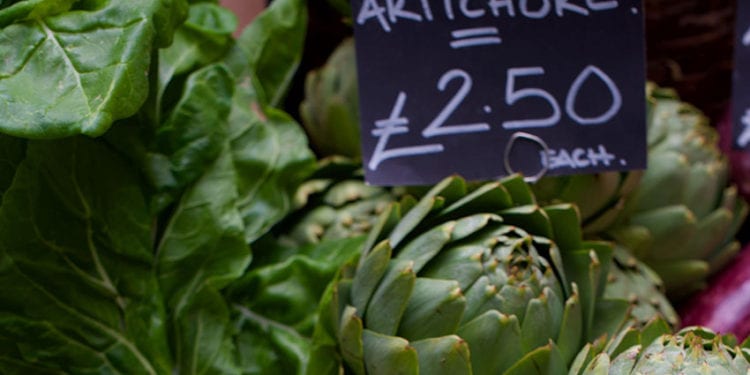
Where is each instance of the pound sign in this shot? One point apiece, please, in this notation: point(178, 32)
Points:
point(396, 124)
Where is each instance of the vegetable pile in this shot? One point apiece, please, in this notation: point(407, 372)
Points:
point(168, 207)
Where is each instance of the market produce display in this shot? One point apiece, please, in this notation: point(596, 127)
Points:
point(175, 200)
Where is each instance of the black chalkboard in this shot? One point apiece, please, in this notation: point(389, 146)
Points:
point(481, 88)
point(741, 92)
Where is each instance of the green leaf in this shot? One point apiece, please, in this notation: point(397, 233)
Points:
point(192, 136)
point(12, 152)
point(271, 47)
point(201, 251)
point(31, 9)
point(79, 71)
point(265, 346)
point(204, 38)
point(271, 159)
point(288, 291)
point(77, 289)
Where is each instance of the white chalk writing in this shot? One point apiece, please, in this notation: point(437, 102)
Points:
point(396, 123)
point(577, 158)
point(389, 12)
point(744, 139)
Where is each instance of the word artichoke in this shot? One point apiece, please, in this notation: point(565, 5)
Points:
point(464, 281)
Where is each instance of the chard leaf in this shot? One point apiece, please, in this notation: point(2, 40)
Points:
point(204, 38)
point(275, 304)
point(78, 292)
point(191, 138)
point(79, 71)
point(12, 152)
point(265, 346)
point(30, 9)
point(271, 48)
point(272, 158)
point(202, 250)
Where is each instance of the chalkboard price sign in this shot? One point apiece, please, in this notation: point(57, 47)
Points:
point(487, 88)
point(741, 93)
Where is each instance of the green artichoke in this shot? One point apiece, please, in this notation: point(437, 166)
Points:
point(334, 203)
point(682, 218)
point(693, 350)
point(466, 281)
point(631, 280)
point(680, 215)
point(330, 109)
point(600, 197)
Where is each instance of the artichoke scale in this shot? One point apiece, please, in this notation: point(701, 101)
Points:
point(446, 355)
point(387, 305)
point(434, 309)
point(388, 355)
point(493, 341)
point(371, 269)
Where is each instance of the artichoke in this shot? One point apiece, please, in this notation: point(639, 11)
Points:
point(680, 215)
point(694, 350)
point(466, 281)
point(631, 280)
point(334, 203)
point(682, 218)
point(600, 197)
point(330, 109)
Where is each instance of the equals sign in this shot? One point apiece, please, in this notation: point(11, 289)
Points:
point(478, 36)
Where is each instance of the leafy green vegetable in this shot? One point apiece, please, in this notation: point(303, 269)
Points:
point(274, 304)
point(78, 71)
point(272, 45)
point(116, 252)
point(78, 290)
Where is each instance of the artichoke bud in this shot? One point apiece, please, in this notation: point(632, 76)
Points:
point(481, 287)
point(330, 109)
point(686, 223)
point(672, 216)
point(692, 350)
point(335, 203)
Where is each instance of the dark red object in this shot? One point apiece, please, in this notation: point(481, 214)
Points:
point(725, 305)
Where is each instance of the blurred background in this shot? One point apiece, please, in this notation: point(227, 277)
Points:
point(246, 10)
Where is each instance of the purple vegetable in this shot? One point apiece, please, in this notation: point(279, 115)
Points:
point(724, 305)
